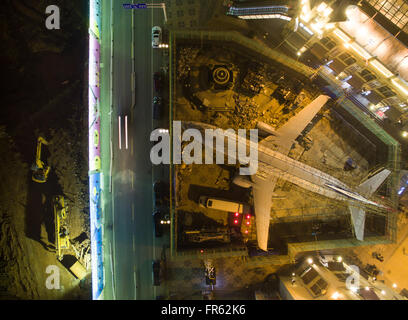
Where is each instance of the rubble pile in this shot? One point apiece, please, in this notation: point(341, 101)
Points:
point(246, 112)
point(82, 251)
point(252, 84)
point(185, 57)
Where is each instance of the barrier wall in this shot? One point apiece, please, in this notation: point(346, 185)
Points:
point(95, 149)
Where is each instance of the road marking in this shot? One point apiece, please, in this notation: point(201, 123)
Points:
point(134, 279)
point(133, 179)
point(120, 138)
point(126, 132)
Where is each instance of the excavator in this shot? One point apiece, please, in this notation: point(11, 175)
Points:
point(62, 238)
point(61, 229)
point(40, 170)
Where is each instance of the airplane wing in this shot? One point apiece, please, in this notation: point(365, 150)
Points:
point(262, 191)
point(369, 186)
point(358, 220)
point(286, 135)
point(283, 137)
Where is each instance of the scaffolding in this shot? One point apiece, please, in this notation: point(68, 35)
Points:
point(258, 49)
point(393, 147)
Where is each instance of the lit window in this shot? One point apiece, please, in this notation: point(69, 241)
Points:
point(367, 75)
point(386, 92)
point(328, 43)
point(347, 58)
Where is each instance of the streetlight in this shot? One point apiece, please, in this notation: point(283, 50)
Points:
point(339, 259)
point(404, 134)
point(309, 260)
point(394, 285)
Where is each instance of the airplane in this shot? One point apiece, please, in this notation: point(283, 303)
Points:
point(273, 163)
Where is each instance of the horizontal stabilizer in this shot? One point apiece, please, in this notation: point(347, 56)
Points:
point(369, 186)
point(358, 220)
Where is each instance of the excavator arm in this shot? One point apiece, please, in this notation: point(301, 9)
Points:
point(41, 171)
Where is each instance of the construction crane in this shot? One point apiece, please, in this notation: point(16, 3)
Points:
point(40, 170)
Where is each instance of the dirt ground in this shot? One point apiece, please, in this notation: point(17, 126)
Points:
point(46, 94)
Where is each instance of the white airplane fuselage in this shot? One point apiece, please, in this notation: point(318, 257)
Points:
point(274, 163)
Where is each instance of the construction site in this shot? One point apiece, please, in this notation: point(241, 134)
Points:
point(44, 206)
point(237, 92)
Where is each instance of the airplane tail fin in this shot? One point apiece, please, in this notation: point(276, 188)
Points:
point(369, 186)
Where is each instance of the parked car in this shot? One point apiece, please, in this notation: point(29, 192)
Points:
point(156, 272)
point(210, 276)
point(161, 193)
point(158, 82)
point(158, 226)
point(378, 256)
point(156, 36)
point(157, 106)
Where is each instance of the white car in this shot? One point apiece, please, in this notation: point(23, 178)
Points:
point(156, 36)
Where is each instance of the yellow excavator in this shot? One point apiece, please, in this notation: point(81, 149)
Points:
point(61, 229)
point(40, 170)
point(62, 239)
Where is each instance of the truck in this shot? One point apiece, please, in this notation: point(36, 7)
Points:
point(223, 205)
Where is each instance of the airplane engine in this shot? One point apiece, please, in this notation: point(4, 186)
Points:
point(266, 128)
point(242, 181)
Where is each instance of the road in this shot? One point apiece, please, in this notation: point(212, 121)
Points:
point(129, 243)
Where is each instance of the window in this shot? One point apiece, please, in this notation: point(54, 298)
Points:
point(191, 12)
point(309, 276)
point(180, 13)
point(347, 58)
point(394, 10)
point(319, 287)
point(181, 24)
point(190, 1)
point(179, 2)
point(193, 23)
point(367, 75)
point(386, 92)
point(328, 43)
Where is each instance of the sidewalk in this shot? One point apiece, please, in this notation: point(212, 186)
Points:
point(233, 275)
